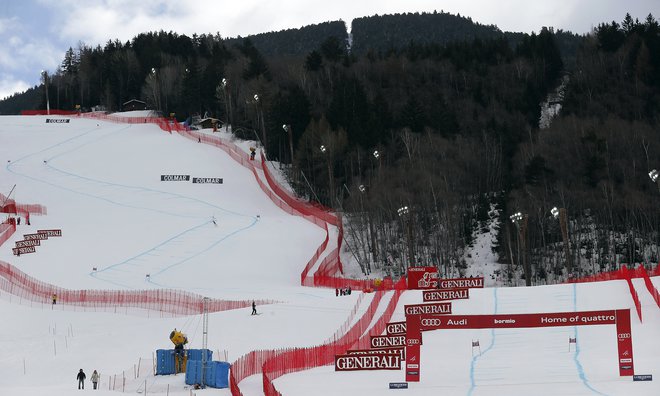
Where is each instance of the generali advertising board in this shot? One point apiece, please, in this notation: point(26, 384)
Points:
point(372, 361)
point(395, 328)
point(400, 350)
point(29, 242)
point(440, 308)
point(461, 283)
point(50, 233)
point(39, 236)
point(441, 295)
point(387, 341)
point(422, 278)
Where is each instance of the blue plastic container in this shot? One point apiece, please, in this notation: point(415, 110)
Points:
point(165, 362)
point(216, 374)
point(196, 354)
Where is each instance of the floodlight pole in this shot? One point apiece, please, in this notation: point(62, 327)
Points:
point(520, 220)
point(287, 128)
point(655, 177)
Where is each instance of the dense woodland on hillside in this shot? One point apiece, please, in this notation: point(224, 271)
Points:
point(425, 138)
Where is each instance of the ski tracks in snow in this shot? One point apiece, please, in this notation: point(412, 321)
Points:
point(176, 250)
point(494, 367)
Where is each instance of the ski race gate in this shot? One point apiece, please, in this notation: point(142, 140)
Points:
point(416, 323)
point(438, 315)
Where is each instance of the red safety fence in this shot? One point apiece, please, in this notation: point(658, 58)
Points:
point(174, 302)
point(279, 362)
point(165, 124)
point(301, 206)
point(613, 275)
point(8, 227)
point(6, 231)
point(325, 276)
point(272, 364)
point(649, 285)
point(331, 265)
point(625, 274)
point(10, 206)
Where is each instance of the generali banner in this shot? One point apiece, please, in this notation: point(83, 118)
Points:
point(440, 308)
point(387, 341)
point(373, 361)
point(461, 283)
point(395, 328)
point(23, 250)
point(39, 236)
point(29, 242)
point(388, 351)
point(50, 233)
point(422, 278)
point(440, 295)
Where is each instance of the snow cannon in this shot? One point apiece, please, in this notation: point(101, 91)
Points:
point(179, 340)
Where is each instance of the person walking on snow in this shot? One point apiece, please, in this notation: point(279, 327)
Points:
point(81, 379)
point(54, 298)
point(95, 378)
point(254, 308)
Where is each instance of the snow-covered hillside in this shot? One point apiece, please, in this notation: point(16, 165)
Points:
point(101, 184)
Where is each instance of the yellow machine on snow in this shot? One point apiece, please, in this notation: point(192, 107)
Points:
point(180, 359)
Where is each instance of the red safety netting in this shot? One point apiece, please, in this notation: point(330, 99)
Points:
point(331, 265)
point(275, 363)
point(625, 274)
point(649, 285)
point(10, 206)
point(8, 227)
point(165, 124)
point(6, 231)
point(272, 363)
point(174, 302)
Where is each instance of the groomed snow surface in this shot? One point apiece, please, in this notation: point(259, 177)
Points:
point(101, 184)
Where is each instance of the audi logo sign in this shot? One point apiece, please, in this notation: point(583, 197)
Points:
point(431, 322)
